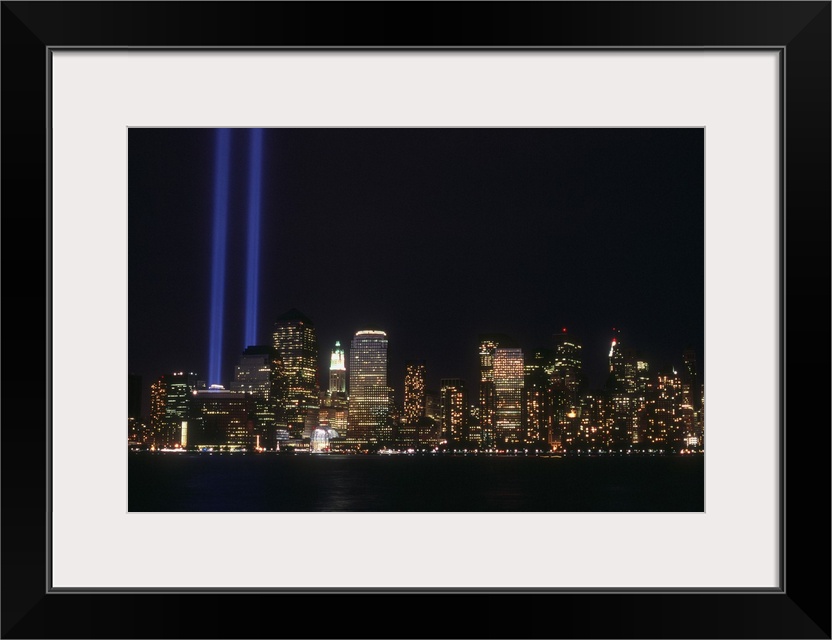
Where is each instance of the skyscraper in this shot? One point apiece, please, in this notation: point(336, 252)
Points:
point(333, 411)
point(538, 395)
point(508, 395)
point(294, 373)
point(620, 426)
point(568, 361)
point(414, 402)
point(369, 396)
point(487, 399)
point(170, 403)
point(252, 375)
point(617, 357)
point(414, 391)
point(454, 410)
point(337, 371)
point(661, 421)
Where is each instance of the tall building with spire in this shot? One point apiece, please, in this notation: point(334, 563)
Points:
point(333, 411)
point(294, 374)
point(369, 394)
point(337, 371)
point(617, 357)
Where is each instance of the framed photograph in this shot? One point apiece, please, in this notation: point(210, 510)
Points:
point(495, 167)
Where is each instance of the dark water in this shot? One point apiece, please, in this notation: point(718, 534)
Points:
point(304, 482)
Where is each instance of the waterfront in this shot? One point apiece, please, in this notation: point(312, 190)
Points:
point(405, 483)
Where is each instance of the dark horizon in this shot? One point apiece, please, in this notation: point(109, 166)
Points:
point(433, 235)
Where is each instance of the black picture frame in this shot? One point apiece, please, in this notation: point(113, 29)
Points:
point(800, 31)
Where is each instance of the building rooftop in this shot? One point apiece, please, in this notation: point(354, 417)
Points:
point(293, 315)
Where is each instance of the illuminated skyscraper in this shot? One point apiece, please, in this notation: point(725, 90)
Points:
point(369, 395)
point(620, 424)
point(487, 398)
point(568, 361)
point(337, 372)
point(661, 421)
point(252, 375)
point(454, 410)
point(508, 395)
point(333, 411)
point(170, 402)
point(539, 395)
point(294, 374)
point(414, 403)
point(414, 391)
point(617, 357)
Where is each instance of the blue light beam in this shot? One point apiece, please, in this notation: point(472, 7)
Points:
point(221, 192)
point(255, 167)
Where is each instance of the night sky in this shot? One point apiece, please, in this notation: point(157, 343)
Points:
point(432, 235)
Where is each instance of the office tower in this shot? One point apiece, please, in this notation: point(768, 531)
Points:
point(661, 419)
point(642, 378)
point(454, 402)
point(508, 390)
point(474, 429)
point(620, 428)
point(487, 399)
point(170, 398)
point(252, 374)
point(428, 428)
point(568, 361)
point(294, 374)
point(590, 421)
point(369, 395)
point(337, 372)
point(221, 420)
point(539, 395)
point(334, 408)
point(414, 391)
point(414, 403)
point(616, 358)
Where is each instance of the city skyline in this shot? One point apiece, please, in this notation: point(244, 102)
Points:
point(539, 398)
point(600, 240)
